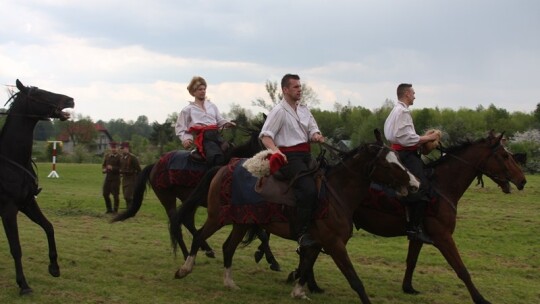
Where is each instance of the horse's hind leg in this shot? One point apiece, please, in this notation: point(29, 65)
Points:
point(264, 250)
point(33, 212)
point(207, 230)
point(12, 233)
point(190, 225)
point(229, 247)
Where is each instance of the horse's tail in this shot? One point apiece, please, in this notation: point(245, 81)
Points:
point(138, 195)
point(254, 232)
point(197, 197)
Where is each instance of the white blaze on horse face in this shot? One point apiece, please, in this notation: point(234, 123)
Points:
point(393, 158)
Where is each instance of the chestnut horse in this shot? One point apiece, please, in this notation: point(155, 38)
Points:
point(180, 190)
point(18, 180)
point(452, 175)
point(345, 184)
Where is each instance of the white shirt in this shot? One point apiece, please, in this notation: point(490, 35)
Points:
point(288, 127)
point(399, 127)
point(192, 115)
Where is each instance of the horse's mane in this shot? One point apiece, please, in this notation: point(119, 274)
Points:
point(453, 149)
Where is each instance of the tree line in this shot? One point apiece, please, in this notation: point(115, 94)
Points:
point(354, 124)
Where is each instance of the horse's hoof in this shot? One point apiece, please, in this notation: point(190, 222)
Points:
point(25, 291)
point(54, 270)
point(180, 274)
point(258, 256)
point(275, 267)
point(292, 277)
point(210, 254)
point(315, 289)
point(410, 290)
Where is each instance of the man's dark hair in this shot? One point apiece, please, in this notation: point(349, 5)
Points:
point(286, 78)
point(402, 88)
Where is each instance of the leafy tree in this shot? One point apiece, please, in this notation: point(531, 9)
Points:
point(309, 97)
point(80, 132)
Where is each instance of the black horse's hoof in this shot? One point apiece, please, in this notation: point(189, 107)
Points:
point(25, 291)
point(410, 290)
point(258, 256)
point(275, 266)
point(293, 276)
point(210, 254)
point(54, 270)
point(315, 289)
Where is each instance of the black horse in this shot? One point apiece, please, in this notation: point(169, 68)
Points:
point(18, 180)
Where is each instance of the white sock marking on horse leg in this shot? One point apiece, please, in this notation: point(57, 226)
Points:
point(299, 293)
point(187, 268)
point(228, 280)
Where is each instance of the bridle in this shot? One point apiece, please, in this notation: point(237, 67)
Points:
point(30, 97)
point(480, 165)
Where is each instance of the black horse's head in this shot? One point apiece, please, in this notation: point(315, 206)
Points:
point(38, 103)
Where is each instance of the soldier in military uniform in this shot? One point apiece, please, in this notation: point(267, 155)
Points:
point(129, 168)
point(111, 184)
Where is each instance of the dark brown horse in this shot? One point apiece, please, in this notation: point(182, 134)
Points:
point(346, 185)
point(453, 174)
point(18, 181)
point(168, 193)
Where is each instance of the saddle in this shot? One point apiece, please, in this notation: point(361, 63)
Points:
point(246, 198)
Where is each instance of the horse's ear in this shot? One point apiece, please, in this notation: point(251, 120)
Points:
point(491, 134)
point(20, 86)
point(378, 136)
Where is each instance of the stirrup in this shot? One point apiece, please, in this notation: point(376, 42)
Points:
point(419, 235)
point(305, 240)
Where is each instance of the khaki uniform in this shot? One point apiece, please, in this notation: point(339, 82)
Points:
point(111, 184)
point(129, 168)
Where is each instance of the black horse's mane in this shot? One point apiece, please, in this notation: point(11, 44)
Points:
point(453, 149)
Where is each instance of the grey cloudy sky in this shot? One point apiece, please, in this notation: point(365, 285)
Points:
point(123, 59)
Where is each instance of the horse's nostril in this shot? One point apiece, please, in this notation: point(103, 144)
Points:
point(413, 189)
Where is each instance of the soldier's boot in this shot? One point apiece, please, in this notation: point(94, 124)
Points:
point(116, 204)
point(108, 204)
point(303, 221)
point(128, 203)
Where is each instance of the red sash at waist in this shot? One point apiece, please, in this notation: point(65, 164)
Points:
point(303, 147)
point(200, 136)
point(398, 147)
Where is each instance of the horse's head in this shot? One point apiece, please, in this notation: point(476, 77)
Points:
point(39, 103)
point(383, 166)
point(499, 165)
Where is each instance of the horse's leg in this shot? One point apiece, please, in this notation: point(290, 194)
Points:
point(9, 221)
point(447, 247)
point(229, 247)
point(207, 230)
point(412, 258)
point(33, 212)
point(189, 223)
point(339, 254)
point(309, 277)
point(264, 250)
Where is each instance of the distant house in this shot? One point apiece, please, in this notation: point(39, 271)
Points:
point(99, 146)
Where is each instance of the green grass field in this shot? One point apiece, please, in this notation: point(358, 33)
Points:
point(131, 262)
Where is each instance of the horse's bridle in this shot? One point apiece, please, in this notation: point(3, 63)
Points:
point(29, 95)
point(480, 166)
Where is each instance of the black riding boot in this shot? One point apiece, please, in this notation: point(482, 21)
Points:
point(415, 231)
point(116, 204)
point(303, 221)
point(108, 204)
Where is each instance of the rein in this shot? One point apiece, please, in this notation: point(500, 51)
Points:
point(28, 172)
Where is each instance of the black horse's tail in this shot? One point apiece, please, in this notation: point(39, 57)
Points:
point(197, 197)
point(138, 195)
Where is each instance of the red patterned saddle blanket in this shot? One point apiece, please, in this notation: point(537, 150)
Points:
point(176, 168)
point(240, 203)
